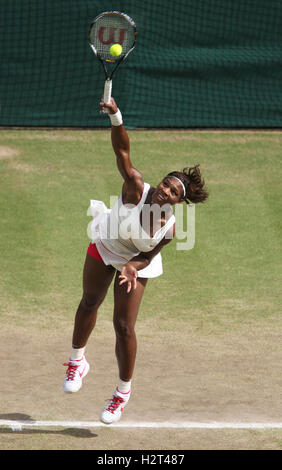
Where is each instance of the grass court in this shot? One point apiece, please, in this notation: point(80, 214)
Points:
point(209, 329)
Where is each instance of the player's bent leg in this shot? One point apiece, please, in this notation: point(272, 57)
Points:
point(96, 280)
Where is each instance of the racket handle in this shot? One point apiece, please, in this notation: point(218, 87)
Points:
point(107, 93)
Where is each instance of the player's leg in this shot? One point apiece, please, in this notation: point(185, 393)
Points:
point(96, 280)
point(126, 309)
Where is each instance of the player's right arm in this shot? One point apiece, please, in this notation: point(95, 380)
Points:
point(133, 182)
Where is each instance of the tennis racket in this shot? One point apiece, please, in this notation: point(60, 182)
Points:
point(108, 28)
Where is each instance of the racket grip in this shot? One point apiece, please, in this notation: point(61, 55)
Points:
point(107, 93)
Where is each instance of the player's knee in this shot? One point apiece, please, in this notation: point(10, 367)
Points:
point(123, 329)
point(90, 302)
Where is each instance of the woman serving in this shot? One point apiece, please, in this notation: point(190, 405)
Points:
point(132, 256)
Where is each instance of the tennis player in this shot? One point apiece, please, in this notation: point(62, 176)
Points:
point(130, 258)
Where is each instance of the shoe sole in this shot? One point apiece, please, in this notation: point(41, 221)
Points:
point(114, 420)
point(86, 370)
point(109, 422)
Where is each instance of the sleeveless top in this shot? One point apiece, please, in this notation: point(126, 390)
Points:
point(120, 237)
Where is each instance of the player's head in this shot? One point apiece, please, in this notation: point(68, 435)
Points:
point(179, 186)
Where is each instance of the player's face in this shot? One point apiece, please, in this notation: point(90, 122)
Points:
point(169, 191)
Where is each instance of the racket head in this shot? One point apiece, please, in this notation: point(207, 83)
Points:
point(112, 27)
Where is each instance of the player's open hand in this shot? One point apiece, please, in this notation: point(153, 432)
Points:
point(111, 106)
point(129, 275)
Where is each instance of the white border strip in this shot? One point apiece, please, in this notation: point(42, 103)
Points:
point(18, 425)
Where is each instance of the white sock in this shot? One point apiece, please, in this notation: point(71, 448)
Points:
point(77, 354)
point(124, 387)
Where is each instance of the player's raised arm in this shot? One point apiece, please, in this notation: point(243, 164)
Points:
point(133, 182)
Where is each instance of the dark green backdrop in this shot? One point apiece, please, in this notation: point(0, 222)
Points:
point(197, 63)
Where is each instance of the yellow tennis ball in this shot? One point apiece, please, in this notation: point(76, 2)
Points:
point(115, 50)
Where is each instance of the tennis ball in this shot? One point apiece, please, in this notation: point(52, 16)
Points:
point(115, 50)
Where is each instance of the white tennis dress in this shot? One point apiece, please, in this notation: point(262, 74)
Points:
point(119, 235)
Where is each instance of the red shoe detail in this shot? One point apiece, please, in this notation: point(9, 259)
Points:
point(116, 401)
point(71, 371)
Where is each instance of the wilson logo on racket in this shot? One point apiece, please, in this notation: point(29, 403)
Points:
point(110, 37)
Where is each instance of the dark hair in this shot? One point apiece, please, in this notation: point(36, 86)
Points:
point(194, 184)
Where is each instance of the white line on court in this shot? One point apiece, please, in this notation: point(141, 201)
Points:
point(18, 425)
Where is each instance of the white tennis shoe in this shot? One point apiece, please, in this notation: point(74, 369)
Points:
point(76, 371)
point(112, 411)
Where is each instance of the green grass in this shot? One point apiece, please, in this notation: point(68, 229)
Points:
point(232, 275)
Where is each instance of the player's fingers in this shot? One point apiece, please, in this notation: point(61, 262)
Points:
point(134, 283)
point(122, 281)
point(102, 105)
point(125, 280)
point(111, 106)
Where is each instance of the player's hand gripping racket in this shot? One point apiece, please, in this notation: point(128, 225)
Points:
point(108, 29)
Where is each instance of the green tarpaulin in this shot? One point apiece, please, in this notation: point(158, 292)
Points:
point(197, 63)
